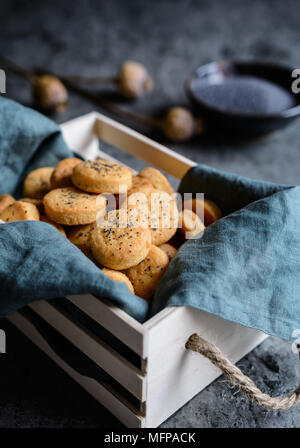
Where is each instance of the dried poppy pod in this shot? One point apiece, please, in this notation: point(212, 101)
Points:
point(49, 93)
point(134, 80)
point(179, 124)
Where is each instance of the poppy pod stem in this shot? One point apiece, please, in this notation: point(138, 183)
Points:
point(50, 94)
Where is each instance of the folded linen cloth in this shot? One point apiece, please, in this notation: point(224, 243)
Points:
point(246, 267)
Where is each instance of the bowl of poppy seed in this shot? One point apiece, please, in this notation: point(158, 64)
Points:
point(244, 99)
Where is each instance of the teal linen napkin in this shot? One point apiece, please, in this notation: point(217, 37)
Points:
point(36, 261)
point(246, 267)
point(28, 140)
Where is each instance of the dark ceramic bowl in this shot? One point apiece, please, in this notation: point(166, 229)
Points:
point(219, 119)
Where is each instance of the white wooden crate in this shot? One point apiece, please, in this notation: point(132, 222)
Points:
point(167, 375)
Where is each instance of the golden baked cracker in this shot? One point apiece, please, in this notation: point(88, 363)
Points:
point(190, 224)
point(5, 201)
point(101, 176)
point(80, 236)
point(170, 250)
point(37, 183)
point(118, 247)
point(70, 206)
point(37, 202)
point(62, 174)
point(20, 211)
point(118, 276)
point(163, 217)
point(211, 211)
point(147, 274)
point(158, 180)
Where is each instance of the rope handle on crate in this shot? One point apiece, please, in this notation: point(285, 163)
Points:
point(236, 376)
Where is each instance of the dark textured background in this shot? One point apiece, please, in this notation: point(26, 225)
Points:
point(171, 38)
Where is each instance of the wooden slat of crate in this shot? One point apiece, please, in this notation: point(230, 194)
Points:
point(142, 147)
point(113, 401)
point(104, 356)
point(115, 320)
point(81, 136)
point(176, 375)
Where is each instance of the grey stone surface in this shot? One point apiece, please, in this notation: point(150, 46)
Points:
point(171, 38)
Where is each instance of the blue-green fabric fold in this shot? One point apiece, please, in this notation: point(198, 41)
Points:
point(246, 266)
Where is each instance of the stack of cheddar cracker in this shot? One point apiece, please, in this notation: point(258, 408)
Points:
point(128, 225)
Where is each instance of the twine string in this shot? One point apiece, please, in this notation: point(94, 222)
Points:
point(237, 378)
